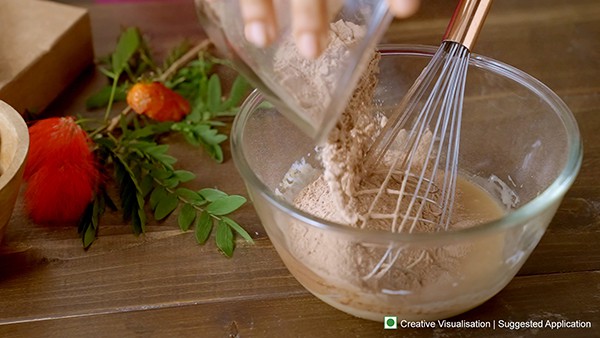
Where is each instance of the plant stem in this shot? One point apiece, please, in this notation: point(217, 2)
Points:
point(195, 206)
point(112, 97)
point(184, 59)
point(115, 120)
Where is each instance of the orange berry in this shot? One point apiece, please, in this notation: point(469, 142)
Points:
point(157, 102)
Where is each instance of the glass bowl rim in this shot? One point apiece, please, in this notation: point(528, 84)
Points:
point(553, 193)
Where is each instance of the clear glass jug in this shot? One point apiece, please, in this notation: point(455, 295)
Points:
point(310, 93)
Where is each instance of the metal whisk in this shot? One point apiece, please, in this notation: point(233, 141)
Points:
point(420, 143)
point(418, 149)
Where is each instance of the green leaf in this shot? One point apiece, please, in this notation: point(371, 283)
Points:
point(210, 139)
point(162, 127)
point(238, 90)
point(132, 200)
point(265, 105)
point(190, 137)
point(140, 144)
point(214, 93)
point(212, 195)
point(225, 205)
point(190, 196)
point(105, 142)
point(99, 206)
point(196, 114)
point(107, 72)
point(147, 184)
point(141, 133)
point(157, 150)
point(238, 228)
point(87, 226)
point(203, 227)
point(129, 42)
point(165, 206)
point(224, 238)
point(160, 173)
point(210, 135)
point(89, 237)
point(158, 194)
point(122, 123)
point(139, 217)
point(184, 175)
point(100, 99)
point(136, 122)
point(230, 112)
point(171, 182)
point(128, 171)
point(216, 123)
point(186, 217)
point(109, 202)
point(217, 138)
point(86, 218)
point(138, 147)
point(215, 152)
point(166, 160)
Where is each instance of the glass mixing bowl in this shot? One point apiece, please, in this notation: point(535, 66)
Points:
point(519, 142)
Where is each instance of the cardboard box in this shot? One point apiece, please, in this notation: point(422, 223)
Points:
point(43, 47)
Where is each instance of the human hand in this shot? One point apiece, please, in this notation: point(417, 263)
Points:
point(310, 21)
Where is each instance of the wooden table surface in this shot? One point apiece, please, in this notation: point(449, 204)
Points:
point(163, 284)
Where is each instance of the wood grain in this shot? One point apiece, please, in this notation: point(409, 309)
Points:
point(301, 313)
point(163, 284)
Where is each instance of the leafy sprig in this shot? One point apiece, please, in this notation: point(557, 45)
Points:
point(128, 44)
point(129, 145)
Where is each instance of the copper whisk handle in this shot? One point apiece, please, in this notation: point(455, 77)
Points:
point(467, 21)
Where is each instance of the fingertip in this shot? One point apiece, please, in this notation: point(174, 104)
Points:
point(260, 26)
point(308, 45)
point(256, 33)
point(310, 26)
point(403, 8)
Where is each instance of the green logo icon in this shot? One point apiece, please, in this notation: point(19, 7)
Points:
point(390, 322)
